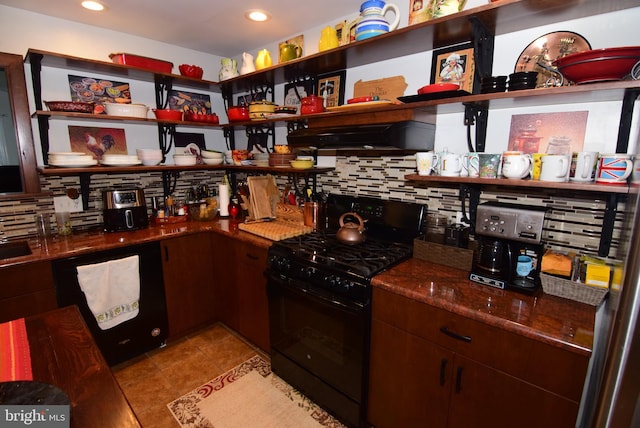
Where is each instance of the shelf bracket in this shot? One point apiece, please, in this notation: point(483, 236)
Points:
point(85, 184)
point(169, 181)
point(483, 46)
point(626, 116)
point(477, 115)
point(166, 135)
point(294, 125)
point(469, 211)
point(163, 86)
point(260, 134)
point(608, 222)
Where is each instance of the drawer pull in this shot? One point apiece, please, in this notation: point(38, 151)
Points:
point(459, 380)
point(443, 368)
point(450, 333)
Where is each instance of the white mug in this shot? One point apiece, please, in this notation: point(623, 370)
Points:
point(471, 164)
point(555, 168)
point(583, 166)
point(450, 164)
point(516, 165)
point(426, 162)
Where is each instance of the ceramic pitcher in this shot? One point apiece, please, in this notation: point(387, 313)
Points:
point(229, 68)
point(247, 64)
point(263, 60)
point(372, 19)
point(328, 39)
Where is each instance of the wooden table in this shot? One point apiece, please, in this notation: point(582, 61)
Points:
point(64, 354)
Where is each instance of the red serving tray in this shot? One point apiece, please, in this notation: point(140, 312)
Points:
point(151, 64)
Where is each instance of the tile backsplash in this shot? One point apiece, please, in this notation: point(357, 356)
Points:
point(574, 219)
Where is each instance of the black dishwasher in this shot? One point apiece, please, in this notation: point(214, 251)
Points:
point(148, 329)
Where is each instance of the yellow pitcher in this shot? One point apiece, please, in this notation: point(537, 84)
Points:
point(263, 60)
point(328, 39)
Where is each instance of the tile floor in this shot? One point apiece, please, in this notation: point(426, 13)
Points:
point(156, 378)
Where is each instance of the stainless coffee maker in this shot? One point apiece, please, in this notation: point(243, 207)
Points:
point(510, 249)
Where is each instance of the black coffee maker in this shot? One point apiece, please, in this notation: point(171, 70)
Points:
point(509, 250)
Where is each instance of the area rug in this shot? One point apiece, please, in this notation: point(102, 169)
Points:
point(249, 395)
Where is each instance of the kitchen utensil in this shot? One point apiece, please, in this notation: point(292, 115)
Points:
point(151, 64)
point(450, 164)
point(547, 48)
point(289, 51)
point(436, 227)
point(127, 110)
point(470, 165)
point(438, 95)
point(516, 164)
point(281, 159)
point(555, 168)
point(263, 60)
point(614, 168)
point(489, 164)
point(583, 166)
point(328, 39)
point(523, 80)
point(351, 233)
point(70, 106)
point(311, 104)
point(372, 19)
point(184, 159)
point(191, 71)
point(238, 113)
point(438, 87)
point(165, 114)
point(259, 109)
point(314, 215)
point(426, 162)
point(599, 65)
point(301, 163)
point(248, 65)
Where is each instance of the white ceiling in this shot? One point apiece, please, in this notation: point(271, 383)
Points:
point(212, 26)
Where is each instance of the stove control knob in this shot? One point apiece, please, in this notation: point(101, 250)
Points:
point(308, 272)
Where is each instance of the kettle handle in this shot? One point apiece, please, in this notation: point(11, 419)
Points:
point(360, 220)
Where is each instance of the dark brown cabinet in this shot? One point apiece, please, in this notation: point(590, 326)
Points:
point(27, 289)
point(188, 283)
point(241, 288)
point(422, 376)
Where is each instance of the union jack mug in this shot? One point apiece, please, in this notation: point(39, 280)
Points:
point(614, 168)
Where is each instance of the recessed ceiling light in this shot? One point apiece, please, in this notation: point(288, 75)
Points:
point(257, 15)
point(93, 5)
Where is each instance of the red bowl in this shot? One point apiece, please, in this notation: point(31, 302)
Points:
point(598, 65)
point(191, 71)
point(238, 113)
point(168, 114)
point(438, 87)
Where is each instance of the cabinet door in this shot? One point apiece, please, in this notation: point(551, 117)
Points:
point(188, 282)
point(27, 289)
point(223, 264)
point(409, 379)
point(251, 283)
point(484, 397)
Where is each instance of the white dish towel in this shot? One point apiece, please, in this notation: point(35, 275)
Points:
point(112, 290)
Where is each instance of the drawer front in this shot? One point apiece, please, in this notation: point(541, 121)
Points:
point(549, 367)
point(26, 278)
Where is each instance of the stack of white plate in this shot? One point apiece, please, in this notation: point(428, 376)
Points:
point(120, 160)
point(71, 159)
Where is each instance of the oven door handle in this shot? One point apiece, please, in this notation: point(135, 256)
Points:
point(277, 282)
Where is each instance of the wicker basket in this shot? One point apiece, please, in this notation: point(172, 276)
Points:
point(572, 290)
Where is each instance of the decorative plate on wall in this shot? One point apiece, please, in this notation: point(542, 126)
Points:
point(545, 50)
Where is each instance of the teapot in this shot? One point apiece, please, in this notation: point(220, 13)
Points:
point(372, 19)
point(351, 233)
point(289, 51)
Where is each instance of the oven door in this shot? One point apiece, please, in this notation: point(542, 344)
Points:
point(319, 344)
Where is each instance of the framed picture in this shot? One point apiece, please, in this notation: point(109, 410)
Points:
point(98, 91)
point(454, 64)
point(97, 141)
point(294, 92)
point(331, 87)
point(183, 100)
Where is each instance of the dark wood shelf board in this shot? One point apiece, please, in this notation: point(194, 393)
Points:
point(100, 169)
point(585, 187)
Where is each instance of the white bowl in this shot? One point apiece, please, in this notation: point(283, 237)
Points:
point(184, 160)
point(210, 154)
point(149, 153)
point(210, 161)
point(129, 110)
point(151, 162)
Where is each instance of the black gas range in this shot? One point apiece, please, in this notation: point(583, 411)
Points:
point(319, 300)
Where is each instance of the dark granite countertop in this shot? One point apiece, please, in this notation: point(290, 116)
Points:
point(553, 320)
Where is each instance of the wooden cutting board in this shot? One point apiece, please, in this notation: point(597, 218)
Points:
point(389, 88)
point(276, 230)
point(264, 196)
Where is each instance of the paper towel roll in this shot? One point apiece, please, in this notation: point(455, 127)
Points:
point(223, 200)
